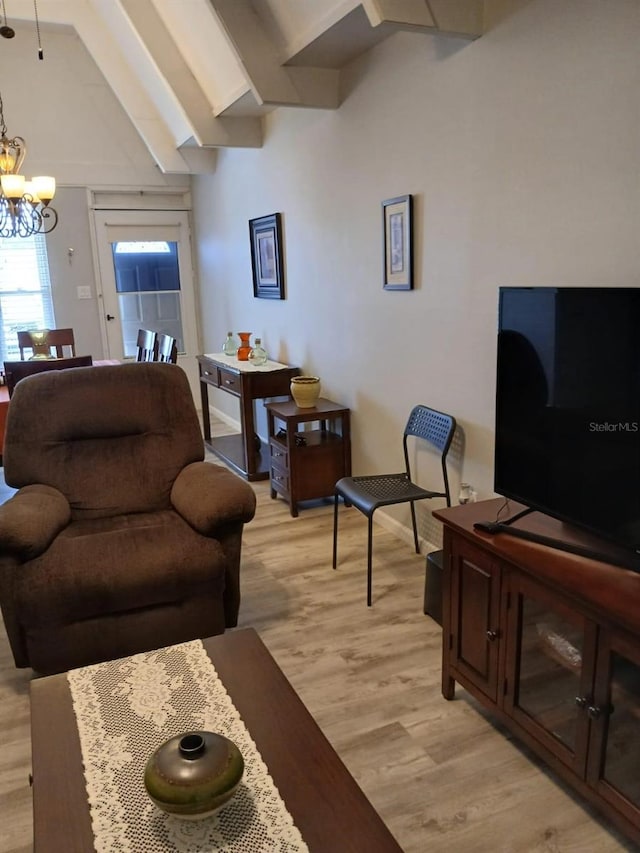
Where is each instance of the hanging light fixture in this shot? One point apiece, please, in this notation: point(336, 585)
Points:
point(24, 205)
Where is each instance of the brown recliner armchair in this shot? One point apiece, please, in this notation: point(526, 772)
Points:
point(120, 539)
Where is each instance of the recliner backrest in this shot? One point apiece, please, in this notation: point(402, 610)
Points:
point(112, 438)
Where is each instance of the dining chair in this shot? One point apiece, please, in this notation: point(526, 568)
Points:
point(368, 493)
point(61, 339)
point(167, 349)
point(146, 344)
point(14, 371)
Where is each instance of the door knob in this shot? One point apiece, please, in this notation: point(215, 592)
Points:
point(110, 317)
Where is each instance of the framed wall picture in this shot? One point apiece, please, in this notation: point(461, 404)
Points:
point(266, 256)
point(398, 243)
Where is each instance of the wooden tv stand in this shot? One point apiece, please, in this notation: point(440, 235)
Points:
point(550, 642)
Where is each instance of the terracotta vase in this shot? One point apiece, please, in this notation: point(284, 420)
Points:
point(192, 775)
point(305, 390)
point(245, 347)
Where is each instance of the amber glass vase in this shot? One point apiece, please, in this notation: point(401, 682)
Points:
point(245, 347)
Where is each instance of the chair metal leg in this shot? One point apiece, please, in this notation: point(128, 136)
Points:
point(415, 527)
point(369, 550)
point(335, 530)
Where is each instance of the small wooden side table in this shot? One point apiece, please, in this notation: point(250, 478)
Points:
point(306, 463)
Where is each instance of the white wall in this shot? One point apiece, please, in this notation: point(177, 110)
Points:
point(71, 266)
point(522, 150)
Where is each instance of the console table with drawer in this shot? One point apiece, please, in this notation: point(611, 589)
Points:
point(247, 382)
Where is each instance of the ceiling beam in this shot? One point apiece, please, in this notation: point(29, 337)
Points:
point(206, 129)
point(107, 52)
point(414, 13)
point(452, 17)
point(459, 17)
point(271, 82)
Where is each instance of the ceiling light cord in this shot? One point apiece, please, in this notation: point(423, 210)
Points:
point(3, 124)
point(35, 12)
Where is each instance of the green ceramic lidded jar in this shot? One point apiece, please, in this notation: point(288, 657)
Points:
point(193, 774)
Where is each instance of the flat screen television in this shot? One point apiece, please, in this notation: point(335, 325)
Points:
point(568, 406)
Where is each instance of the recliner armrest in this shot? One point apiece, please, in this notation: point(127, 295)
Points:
point(208, 497)
point(31, 520)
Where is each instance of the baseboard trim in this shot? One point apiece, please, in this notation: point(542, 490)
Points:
point(401, 531)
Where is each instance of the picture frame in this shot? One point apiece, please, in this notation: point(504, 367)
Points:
point(397, 234)
point(267, 266)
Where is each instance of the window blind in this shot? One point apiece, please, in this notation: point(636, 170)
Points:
point(25, 291)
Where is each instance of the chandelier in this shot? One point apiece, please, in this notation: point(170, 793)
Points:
point(24, 205)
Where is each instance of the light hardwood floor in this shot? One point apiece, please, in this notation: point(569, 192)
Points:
point(441, 775)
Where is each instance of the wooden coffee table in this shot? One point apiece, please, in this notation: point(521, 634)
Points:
point(324, 800)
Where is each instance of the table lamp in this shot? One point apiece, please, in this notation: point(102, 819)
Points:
point(39, 343)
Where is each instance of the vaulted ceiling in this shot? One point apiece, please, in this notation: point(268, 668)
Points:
point(195, 75)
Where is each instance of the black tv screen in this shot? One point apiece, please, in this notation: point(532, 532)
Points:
point(568, 406)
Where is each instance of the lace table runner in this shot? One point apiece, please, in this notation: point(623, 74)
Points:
point(124, 710)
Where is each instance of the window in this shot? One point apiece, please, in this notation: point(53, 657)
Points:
point(25, 291)
point(148, 287)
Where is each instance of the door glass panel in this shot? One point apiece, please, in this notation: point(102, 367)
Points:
point(550, 669)
point(622, 757)
point(148, 287)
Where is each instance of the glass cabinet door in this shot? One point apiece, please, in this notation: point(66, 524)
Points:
point(550, 668)
point(614, 756)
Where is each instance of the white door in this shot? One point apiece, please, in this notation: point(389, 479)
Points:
point(146, 276)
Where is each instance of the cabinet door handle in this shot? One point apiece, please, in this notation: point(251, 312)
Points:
point(581, 701)
point(594, 711)
point(492, 636)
